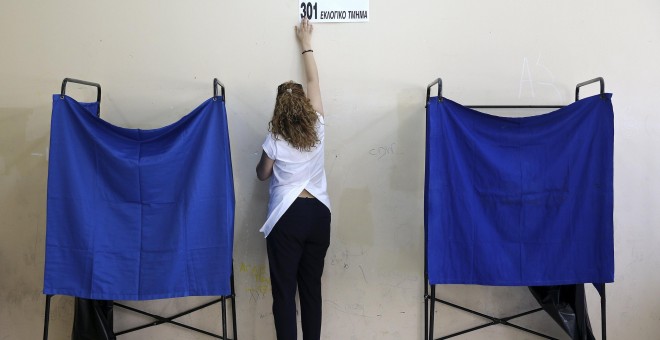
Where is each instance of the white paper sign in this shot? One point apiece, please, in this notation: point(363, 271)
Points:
point(335, 10)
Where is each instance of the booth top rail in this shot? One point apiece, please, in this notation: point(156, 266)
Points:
point(438, 82)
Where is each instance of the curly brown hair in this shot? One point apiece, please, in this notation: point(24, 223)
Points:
point(294, 118)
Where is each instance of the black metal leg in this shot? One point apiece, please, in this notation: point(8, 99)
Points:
point(580, 301)
point(224, 318)
point(426, 308)
point(233, 316)
point(603, 314)
point(432, 311)
point(233, 302)
point(47, 316)
point(426, 291)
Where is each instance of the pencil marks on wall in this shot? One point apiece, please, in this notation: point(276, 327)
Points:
point(259, 285)
point(382, 151)
point(535, 78)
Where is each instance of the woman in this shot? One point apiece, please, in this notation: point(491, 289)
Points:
point(297, 229)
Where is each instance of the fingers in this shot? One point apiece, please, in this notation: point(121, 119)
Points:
point(305, 25)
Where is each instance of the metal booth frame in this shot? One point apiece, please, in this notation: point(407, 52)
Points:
point(158, 320)
point(430, 297)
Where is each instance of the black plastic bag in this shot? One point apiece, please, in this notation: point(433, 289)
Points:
point(567, 305)
point(92, 320)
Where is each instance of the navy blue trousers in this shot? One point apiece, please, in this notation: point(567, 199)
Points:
point(296, 251)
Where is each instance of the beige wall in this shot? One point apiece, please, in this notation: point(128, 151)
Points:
point(156, 60)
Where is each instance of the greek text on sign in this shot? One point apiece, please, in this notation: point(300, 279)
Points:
point(335, 10)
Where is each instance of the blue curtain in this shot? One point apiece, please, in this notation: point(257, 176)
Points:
point(519, 201)
point(138, 214)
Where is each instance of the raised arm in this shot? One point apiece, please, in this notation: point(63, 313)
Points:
point(304, 34)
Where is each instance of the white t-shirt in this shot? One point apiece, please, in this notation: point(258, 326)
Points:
point(293, 171)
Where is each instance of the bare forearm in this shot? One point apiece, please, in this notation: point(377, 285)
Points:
point(309, 63)
point(304, 33)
